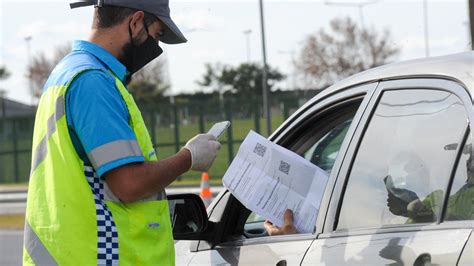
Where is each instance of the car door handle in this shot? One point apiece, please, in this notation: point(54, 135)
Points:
point(423, 259)
point(255, 232)
point(281, 263)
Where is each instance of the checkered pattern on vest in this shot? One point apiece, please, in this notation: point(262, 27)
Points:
point(107, 244)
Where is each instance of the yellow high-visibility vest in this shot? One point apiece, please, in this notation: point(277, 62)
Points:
point(68, 219)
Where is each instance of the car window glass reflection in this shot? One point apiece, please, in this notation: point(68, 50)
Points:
point(402, 167)
point(324, 152)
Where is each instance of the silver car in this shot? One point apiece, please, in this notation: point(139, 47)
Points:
point(397, 144)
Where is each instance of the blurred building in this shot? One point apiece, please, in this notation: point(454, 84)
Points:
point(12, 109)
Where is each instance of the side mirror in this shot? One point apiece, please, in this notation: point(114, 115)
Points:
point(188, 216)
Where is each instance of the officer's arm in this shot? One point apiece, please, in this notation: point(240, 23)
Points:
point(135, 181)
point(100, 138)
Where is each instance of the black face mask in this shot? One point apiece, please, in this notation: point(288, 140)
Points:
point(137, 56)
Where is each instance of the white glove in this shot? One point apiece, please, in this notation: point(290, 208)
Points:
point(203, 148)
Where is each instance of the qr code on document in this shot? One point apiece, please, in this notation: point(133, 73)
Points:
point(260, 149)
point(284, 167)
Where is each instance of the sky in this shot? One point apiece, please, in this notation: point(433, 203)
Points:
point(215, 33)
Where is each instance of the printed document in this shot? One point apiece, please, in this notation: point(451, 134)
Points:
point(268, 179)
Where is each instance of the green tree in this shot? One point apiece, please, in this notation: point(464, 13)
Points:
point(4, 74)
point(212, 78)
point(244, 81)
point(346, 49)
point(149, 85)
point(247, 79)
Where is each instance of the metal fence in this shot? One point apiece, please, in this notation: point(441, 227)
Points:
point(15, 148)
point(170, 126)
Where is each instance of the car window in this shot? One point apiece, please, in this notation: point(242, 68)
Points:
point(461, 199)
point(402, 168)
point(324, 152)
point(319, 144)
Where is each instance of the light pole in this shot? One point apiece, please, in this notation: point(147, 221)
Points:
point(471, 22)
point(425, 19)
point(247, 41)
point(266, 105)
point(359, 5)
point(28, 54)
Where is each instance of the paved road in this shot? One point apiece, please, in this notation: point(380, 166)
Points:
point(11, 247)
point(12, 208)
point(11, 241)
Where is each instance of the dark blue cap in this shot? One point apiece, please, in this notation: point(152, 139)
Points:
point(159, 8)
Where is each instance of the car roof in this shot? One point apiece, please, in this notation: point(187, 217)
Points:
point(458, 67)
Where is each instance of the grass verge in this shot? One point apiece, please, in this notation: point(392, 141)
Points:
point(195, 182)
point(12, 221)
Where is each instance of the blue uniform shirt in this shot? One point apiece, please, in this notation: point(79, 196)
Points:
point(95, 110)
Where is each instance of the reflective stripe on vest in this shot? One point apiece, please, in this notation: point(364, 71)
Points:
point(42, 148)
point(36, 249)
point(112, 151)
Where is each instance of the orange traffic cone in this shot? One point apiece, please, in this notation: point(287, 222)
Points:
point(205, 194)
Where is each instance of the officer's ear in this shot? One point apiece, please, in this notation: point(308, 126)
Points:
point(136, 21)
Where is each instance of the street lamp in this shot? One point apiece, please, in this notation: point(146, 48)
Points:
point(425, 17)
point(266, 105)
point(359, 5)
point(28, 54)
point(247, 40)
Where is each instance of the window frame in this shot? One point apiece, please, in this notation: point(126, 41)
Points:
point(434, 83)
point(284, 136)
point(304, 138)
point(447, 195)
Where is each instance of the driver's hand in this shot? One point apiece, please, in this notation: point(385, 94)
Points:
point(396, 205)
point(288, 227)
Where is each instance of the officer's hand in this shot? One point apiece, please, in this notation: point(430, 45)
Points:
point(203, 148)
point(288, 227)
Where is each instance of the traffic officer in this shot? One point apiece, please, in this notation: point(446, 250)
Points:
point(96, 192)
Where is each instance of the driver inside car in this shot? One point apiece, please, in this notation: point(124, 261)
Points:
point(287, 229)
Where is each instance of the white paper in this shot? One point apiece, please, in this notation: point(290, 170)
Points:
point(268, 179)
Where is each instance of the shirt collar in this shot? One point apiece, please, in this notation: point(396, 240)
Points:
point(103, 55)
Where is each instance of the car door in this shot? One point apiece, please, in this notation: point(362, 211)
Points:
point(320, 133)
point(395, 200)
